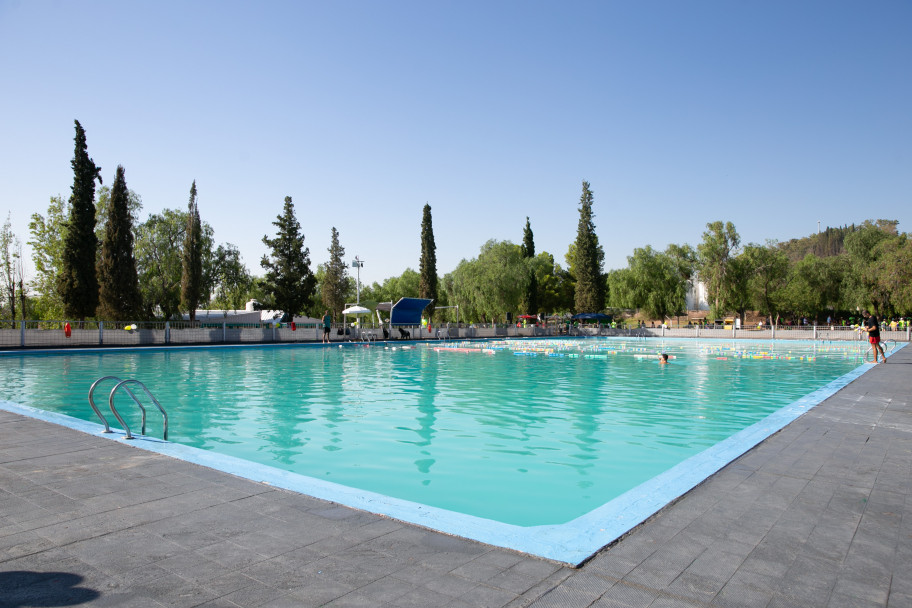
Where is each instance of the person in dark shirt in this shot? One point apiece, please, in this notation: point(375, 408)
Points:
point(873, 328)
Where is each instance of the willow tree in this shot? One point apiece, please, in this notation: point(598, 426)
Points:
point(192, 258)
point(78, 284)
point(588, 257)
point(652, 282)
point(119, 298)
point(427, 268)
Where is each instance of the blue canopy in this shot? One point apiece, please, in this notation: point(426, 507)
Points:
point(407, 311)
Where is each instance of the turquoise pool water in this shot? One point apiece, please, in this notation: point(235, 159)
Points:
point(524, 432)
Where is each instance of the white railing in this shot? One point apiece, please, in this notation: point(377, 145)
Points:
point(53, 334)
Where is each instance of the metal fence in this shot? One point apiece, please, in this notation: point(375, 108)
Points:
point(54, 334)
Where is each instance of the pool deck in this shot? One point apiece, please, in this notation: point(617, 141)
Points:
point(819, 514)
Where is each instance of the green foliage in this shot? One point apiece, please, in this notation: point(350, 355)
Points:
point(158, 262)
point(289, 282)
point(334, 280)
point(588, 258)
point(555, 285)
point(427, 268)
point(652, 282)
point(393, 288)
point(491, 285)
point(232, 282)
point(9, 266)
point(192, 258)
point(103, 204)
point(769, 278)
point(78, 284)
point(118, 296)
point(813, 285)
point(892, 270)
point(47, 238)
point(530, 301)
point(716, 265)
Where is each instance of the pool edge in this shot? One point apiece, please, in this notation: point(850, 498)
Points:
point(571, 543)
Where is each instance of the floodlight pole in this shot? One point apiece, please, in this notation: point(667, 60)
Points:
point(358, 263)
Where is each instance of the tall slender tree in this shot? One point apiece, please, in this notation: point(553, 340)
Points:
point(289, 282)
point(118, 285)
point(588, 259)
point(530, 302)
point(78, 281)
point(192, 258)
point(9, 246)
point(427, 286)
point(335, 283)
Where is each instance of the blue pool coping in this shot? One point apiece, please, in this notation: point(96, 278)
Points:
point(572, 543)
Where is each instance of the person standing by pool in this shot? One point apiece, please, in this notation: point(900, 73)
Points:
point(327, 325)
point(873, 328)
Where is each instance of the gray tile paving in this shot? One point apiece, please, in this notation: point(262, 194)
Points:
point(817, 515)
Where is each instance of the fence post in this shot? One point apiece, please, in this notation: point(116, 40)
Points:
point(101, 333)
point(167, 332)
point(22, 333)
point(224, 332)
point(815, 333)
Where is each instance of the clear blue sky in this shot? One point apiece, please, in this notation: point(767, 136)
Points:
point(773, 115)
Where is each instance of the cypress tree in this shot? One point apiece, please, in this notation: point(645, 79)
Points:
point(118, 285)
point(78, 284)
point(333, 289)
point(530, 299)
point(427, 283)
point(192, 258)
point(590, 282)
point(289, 282)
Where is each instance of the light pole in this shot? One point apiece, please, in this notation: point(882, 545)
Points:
point(358, 263)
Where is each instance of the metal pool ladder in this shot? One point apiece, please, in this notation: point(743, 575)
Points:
point(124, 383)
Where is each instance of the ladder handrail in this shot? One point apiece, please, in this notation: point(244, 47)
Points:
point(123, 383)
point(95, 407)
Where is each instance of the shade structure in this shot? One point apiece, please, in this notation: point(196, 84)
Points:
point(407, 311)
point(356, 311)
point(591, 316)
point(527, 317)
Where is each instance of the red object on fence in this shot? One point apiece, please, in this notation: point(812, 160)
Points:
point(66, 330)
point(293, 326)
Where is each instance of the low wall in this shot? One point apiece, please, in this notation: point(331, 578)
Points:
point(34, 334)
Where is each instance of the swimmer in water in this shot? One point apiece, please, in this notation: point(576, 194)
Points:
point(663, 359)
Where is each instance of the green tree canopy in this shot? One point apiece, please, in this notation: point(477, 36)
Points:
point(652, 282)
point(334, 283)
point(769, 278)
point(717, 268)
point(232, 282)
point(78, 284)
point(119, 298)
point(530, 302)
point(192, 258)
point(588, 259)
point(493, 284)
point(289, 282)
point(427, 287)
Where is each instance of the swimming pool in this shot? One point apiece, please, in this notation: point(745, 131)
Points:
point(528, 438)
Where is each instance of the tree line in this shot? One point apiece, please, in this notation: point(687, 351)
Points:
point(94, 259)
